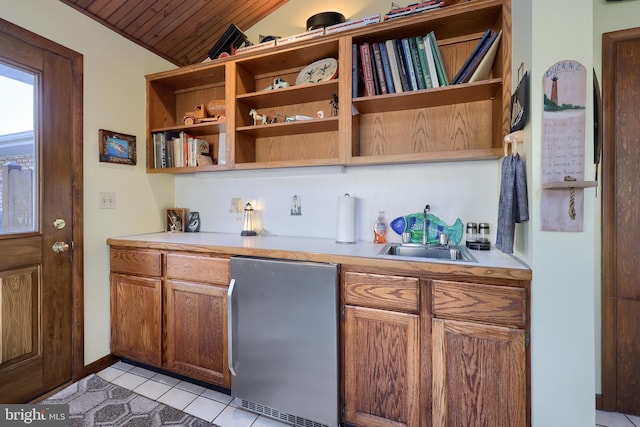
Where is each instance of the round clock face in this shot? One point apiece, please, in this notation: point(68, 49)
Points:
point(319, 71)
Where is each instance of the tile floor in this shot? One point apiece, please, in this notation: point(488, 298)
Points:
point(210, 405)
point(219, 408)
point(614, 419)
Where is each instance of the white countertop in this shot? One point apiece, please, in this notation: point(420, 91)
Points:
point(234, 243)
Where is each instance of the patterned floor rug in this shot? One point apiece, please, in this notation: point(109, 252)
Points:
point(95, 402)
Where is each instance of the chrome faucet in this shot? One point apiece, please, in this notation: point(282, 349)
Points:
point(427, 209)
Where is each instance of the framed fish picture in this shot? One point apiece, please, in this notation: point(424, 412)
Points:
point(117, 147)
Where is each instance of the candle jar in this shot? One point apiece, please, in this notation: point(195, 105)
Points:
point(472, 232)
point(484, 232)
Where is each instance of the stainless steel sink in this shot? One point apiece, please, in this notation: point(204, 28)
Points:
point(454, 253)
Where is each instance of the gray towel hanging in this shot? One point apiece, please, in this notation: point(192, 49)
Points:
point(513, 205)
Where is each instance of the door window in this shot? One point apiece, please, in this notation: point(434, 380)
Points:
point(18, 160)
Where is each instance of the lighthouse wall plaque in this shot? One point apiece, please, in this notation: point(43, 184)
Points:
point(563, 146)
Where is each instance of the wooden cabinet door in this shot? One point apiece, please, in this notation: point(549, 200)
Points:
point(136, 318)
point(381, 368)
point(196, 331)
point(479, 375)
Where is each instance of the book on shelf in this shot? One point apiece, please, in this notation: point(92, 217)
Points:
point(355, 87)
point(256, 47)
point(204, 160)
point(350, 25)
point(417, 65)
point(486, 63)
point(158, 148)
point(178, 149)
point(299, 37)
point(379, 69)
point(406, 50)
point(391, 87)
point(402, 67)
point(424, 64)
point(163, 149)
point(431, 61)
point(440, 68)
point(399, 12)
point(367, 69)
point(474, 52)
point(393, 65)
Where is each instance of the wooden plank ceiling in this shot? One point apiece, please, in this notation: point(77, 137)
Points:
point(181, 31)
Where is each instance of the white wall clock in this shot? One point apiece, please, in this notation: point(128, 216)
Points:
point(318, 71)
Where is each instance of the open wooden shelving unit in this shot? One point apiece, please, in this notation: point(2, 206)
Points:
point(451, 123)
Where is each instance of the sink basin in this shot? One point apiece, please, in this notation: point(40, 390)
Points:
point(454, 253)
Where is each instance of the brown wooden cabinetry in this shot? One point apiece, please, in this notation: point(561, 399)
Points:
point(456, 122)
point(479, 361)
point(434, 353)
point(136, 318)
point(136, 309)
point(172, 317)
point(196, 317)
point(381, 372)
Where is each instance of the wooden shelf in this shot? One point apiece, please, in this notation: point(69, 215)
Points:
point(562, 185)
point(446, 95)
point(451, 123)
point(189, 169)
point(291, 128)
point(198, 129)
point(440, 156)
point(321, 91)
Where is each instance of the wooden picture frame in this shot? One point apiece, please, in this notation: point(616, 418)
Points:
point(117, 147)
point(175, 219)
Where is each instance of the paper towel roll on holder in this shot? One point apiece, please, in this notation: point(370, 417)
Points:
point(346, 219)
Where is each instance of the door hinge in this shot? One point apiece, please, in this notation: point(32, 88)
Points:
point(342, 312)
point(527, 339)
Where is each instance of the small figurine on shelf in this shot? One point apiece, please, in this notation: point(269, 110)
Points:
point(278, 116)
point(334, 105)
point(262, 117)
point(278, 83)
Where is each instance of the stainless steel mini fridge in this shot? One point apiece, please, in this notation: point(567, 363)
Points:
point(283, 339)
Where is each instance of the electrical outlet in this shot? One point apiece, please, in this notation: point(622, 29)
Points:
point(236, 205)
point(107, 200)
point(296, 205)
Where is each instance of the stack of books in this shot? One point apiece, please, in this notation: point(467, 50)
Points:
point(479, 63)
point(179, 149)
point(398, 65)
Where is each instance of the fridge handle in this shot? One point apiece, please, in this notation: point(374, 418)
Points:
point(232, 285)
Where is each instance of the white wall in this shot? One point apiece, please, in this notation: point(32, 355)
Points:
point(463, 190)
point(114, 99)
point(563, 264)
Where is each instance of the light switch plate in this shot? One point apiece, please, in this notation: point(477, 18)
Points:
point(107, 200)
point(236, 205)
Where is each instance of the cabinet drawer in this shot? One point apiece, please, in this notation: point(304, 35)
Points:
point(198, 268)
point(484, 303)
point(144, 263)
point(381, 291)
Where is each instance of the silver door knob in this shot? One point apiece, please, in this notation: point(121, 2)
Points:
point(59, 247)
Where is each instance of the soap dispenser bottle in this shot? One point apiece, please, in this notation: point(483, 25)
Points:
point(380, 229)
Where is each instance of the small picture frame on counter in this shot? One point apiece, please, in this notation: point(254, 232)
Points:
point(175, 219)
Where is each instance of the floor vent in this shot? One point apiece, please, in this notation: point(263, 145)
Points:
point(280, 416)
